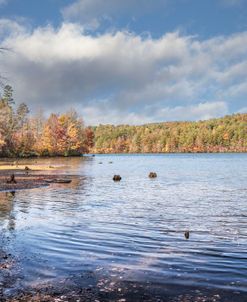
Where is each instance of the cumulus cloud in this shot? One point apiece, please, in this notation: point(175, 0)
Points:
point(201, 111)
point(10, 28)
point(123, 77)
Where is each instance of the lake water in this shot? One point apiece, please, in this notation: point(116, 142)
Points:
point(131, 233)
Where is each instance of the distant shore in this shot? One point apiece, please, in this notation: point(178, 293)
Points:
point(160, 153)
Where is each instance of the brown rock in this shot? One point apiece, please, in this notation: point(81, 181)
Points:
point(117, 177)
point(152, 175)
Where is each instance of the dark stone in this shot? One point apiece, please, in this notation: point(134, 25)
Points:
point(187, 234)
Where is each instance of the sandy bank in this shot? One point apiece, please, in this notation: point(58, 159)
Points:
point(33, 167)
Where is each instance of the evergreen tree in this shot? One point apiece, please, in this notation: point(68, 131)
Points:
point(8, 95)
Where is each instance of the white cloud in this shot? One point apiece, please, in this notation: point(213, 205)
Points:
point(200, 111)
point(122, 77)
point(10, 29)
point(92, 12)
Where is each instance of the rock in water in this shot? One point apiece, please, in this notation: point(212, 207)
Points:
point(152, 175)
point(117, 177)
point(187, 234)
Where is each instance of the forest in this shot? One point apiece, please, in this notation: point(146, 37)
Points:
point(227, 134)
point(26, 135)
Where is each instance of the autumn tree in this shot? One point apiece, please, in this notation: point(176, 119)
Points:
point(89, 138)
point(53, 137)
point(2, 142)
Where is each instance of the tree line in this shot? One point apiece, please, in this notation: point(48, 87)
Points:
point(25, 135)
point(227, 134)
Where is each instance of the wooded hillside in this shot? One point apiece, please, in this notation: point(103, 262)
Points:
point(227, 134)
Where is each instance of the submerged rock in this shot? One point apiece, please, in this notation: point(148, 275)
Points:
point(117, 177)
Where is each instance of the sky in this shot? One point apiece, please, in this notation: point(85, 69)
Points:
point(127, 61)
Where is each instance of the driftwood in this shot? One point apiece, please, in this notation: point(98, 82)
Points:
point(58, 181)
point(12, 179)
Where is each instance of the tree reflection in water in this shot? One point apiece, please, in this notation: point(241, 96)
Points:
point(7, 217)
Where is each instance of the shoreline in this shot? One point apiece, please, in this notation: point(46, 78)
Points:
point(31, 168)
point(26, 178)
point(164, 153)
point(92, 287)
point(25, 182)
point(91, 154)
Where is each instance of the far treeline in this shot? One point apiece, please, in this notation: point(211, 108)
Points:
point(25, 135)
point(227, 134)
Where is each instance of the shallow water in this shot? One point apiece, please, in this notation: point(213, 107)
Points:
point(133, 230)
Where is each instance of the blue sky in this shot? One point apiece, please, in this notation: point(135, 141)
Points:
point(131, 61)
point(196, 17)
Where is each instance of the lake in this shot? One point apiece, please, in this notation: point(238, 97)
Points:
point(125, 240)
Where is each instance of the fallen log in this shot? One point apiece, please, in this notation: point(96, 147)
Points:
point(58, 181)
